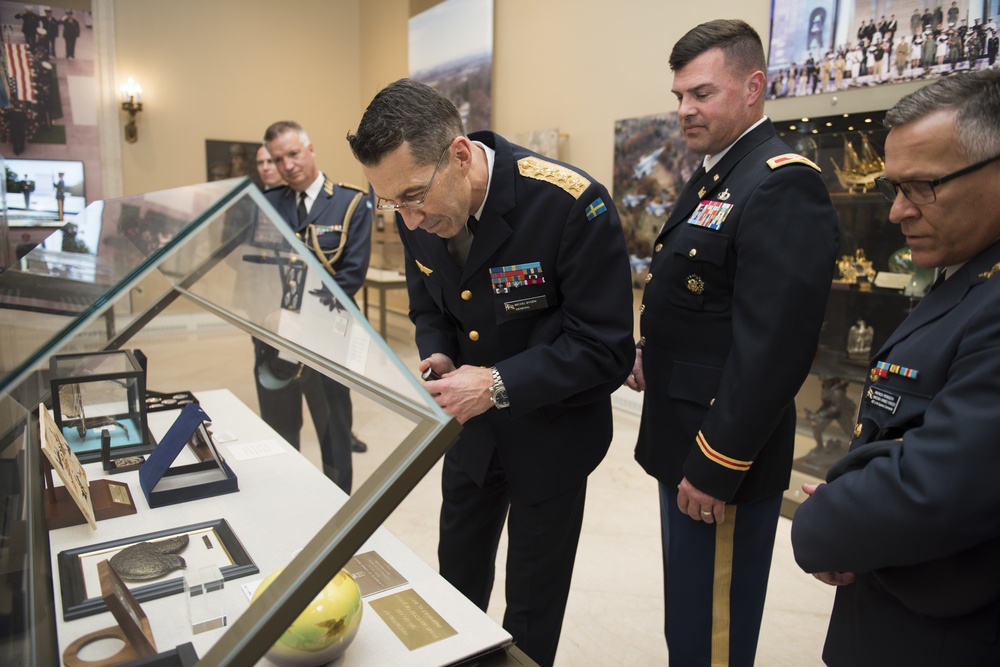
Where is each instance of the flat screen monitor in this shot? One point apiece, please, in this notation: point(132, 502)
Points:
point(33, 187)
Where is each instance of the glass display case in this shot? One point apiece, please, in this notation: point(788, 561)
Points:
point(221, 249)
point(875, 285)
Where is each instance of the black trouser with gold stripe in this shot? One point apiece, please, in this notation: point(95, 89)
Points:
point(715, 581)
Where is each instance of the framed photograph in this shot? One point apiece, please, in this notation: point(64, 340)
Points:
point(209, 543)
point(231, 159)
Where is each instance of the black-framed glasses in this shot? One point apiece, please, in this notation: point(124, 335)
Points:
point(922, 192)
point(415, 201)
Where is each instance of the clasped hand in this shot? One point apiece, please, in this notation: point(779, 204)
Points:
point(461, 392)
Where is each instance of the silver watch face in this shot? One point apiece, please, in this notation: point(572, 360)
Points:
point(500, 398)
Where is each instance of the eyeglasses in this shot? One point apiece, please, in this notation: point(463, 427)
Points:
point(415, 201)
point(922, 192)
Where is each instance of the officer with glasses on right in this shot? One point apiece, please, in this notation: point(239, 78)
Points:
point(908, 524)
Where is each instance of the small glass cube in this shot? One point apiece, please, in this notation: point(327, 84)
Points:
point(97, 391)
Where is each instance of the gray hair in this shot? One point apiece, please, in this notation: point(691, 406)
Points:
point(275, 130)
point(976, 98)
point(406, 111)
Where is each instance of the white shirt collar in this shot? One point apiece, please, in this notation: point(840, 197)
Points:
point(490, 159)
point(312, 192)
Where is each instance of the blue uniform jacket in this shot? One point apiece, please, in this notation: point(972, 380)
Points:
point(561, 335)
point(341, 214)
point(916, 514)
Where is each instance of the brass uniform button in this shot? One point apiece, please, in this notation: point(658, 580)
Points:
point(692, 252)
point(642, 341)
point(857, 430)
point(658, 247)
point(466, 295)
point(711, 402)
point(473, 335)
point(642, 309)
point(649, 277)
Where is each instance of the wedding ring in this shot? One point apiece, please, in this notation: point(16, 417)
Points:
point(706, 513)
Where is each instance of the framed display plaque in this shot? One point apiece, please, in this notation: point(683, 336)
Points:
point(209, 543)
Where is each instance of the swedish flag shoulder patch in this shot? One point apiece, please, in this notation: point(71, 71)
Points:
point(596, 208)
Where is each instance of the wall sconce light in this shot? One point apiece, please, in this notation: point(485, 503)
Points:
point(132, 103)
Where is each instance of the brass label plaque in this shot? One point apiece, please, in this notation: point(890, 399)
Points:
point(373, 574)
point(411, 619)
point(119, 494)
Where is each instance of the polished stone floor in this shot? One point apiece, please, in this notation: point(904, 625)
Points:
point(615, 611)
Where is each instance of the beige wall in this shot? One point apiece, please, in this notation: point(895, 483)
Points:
point(580, 65)
point(224, 69)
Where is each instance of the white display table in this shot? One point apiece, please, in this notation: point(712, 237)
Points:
point(282, 502)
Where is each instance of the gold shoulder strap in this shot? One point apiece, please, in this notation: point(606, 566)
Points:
point(329, 257)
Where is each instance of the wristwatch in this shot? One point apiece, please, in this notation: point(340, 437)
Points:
point(498, 392)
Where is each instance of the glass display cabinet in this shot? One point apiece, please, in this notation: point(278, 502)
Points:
point(875, 285)
point(221, 249)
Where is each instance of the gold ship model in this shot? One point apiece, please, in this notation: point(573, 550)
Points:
point(858, 174)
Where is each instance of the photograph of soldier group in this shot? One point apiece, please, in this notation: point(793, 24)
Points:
point(932, 42)
point(34, 37)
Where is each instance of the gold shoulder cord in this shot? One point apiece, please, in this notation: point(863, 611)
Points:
point(329, 257)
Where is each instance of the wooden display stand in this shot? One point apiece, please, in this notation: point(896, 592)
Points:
point(133, 627)
point(111, 500)
point(78, 500)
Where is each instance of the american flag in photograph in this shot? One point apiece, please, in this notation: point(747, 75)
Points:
point(19, 67)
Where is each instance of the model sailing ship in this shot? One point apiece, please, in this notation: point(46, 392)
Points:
point(858, 174)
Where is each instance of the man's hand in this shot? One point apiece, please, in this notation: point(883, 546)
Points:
point(836, 578)
point(830, 578)
point(463, 393)
point(636, 381)
point(699, 506)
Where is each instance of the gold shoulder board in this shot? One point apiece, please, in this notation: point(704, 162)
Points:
point(791, 158)
point(352, 187)
point(556, 174)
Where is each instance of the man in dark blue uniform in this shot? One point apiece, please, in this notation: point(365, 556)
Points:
point(729, 323)
point(520, 290)
point(334, 220)
point(908, 526)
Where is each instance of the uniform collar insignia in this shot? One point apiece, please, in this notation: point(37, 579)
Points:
point(989, 274)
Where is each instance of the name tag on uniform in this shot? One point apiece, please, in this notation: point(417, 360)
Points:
point(521, 305)
point(883, 399)
point(710, 214)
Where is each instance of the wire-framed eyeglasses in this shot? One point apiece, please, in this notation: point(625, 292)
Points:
point(922, 192)
point(415, 201)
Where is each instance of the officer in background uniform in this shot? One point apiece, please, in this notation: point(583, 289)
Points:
point(908, 526)
point(729, 323)
point(334, 221)
point(520, 290)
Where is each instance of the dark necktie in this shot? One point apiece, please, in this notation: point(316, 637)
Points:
point(302, 208)
point(459, 244)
